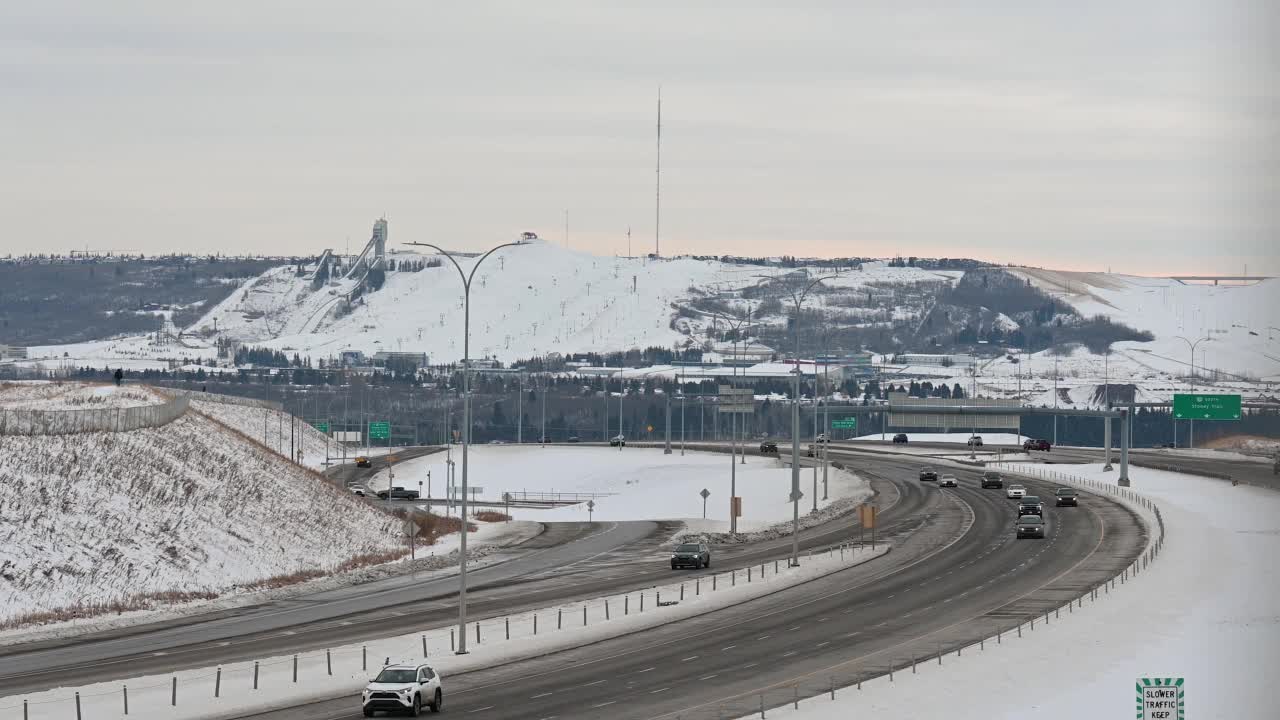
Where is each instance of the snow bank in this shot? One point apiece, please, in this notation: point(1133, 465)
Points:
point(106, 521)
point(1204, 611)
point(275, 429)
point(73, 396)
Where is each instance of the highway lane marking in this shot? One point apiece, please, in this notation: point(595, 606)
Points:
point(797, 627)
point(540, 695)
point(645, 670)
point(763, 637)
point(744, 667)
point(886, 622)
point(827, 642)
point(788, 654)
point(823, 619)
point(691, 657)
point(597, 682)
point(604, 703)
point(708, 677)
point(487, 707)
point(655, 692)
point(728, 648)
point(159, 653)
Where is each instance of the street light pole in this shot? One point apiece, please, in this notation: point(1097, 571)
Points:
point(466, 419)
point(797, 299)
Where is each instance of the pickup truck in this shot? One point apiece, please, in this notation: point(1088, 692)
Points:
point(398, 493)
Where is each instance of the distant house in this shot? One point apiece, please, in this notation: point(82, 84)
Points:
point(12, 352)
point(384, 357)
point(352, 358)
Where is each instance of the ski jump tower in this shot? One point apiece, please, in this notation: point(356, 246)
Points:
point(374, 255)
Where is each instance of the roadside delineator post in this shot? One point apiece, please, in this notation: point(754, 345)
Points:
point(364, 664)
point(295, 668)
point(328, 661)
point(217, 682)
point(506, 622)
point(477, 632)
point(173, 694)
point(77, 705)
point(124, 690)
point(255, 672)
point(559, 618)
point(424, 646)
point(535, 623)
point(584, 615)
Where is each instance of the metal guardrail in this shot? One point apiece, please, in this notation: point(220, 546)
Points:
point(556, 497)
point(69, 422)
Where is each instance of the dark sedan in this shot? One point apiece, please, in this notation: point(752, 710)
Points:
point(1030, 526)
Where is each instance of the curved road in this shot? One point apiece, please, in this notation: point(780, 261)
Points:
point(957, 577)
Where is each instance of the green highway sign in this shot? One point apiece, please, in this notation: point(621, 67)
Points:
point(379, 431)
point(321, 426)
point(1187, 406)
point(849, 423)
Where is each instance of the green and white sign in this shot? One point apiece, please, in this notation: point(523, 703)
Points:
point(1161, 699)
point(1187, 406)
point(846, 423)
point(379, 431)
point(321, 426)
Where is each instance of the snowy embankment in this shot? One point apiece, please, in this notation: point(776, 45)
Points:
point(277, 430)
point(73, 396)
point(634, 484)
point(103, 522)
point(1204, 611)
point(583, 622)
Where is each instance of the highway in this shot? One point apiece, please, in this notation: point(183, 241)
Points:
point(1252, 472)
point(568, 561)
point(956, 572)
point(954, 559)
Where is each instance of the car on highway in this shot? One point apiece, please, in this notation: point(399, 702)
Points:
point(975, 441)
point(1065, 496)
point(1015, 491)
point(398, 493)
point(363, 461)
point(948, 481)
point(618, 441)
point(574, 439)
point(1036, 444)
point(1030, 505)
point(768, 446)
point(403, 688)
point(1030, 526)
point(822, 438)
point(359, 492)
point(694, 555)
point(992, 479)
point(927, 473)
point(900, 439)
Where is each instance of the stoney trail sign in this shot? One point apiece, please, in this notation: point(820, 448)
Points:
point(1188, 406)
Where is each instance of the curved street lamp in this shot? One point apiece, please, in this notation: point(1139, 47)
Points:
point(466, 422)
point(736, 325)
point(1192, 346)
point(798, 293)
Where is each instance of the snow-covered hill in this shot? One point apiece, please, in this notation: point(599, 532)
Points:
point(104, 521)
point(1239, 320)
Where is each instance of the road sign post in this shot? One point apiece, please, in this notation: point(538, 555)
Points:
point(506, 498)
point(735, 401)
point(591, 506)
point(705, 494)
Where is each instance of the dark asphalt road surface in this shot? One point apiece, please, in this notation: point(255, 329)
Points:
point(945, 584)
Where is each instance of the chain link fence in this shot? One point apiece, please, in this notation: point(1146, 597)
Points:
point(68, 422)
point(224, 399)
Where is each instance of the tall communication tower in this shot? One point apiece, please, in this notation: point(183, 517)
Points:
point(657, 205)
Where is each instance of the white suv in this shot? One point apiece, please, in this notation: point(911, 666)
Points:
point(403, 687)
point(1015, 491)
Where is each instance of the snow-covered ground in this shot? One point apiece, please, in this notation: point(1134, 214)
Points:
point(1204, 611)
point(276, 430)
point(73, 396)
point(634, 484)
point(129, 519)
point(150, 696)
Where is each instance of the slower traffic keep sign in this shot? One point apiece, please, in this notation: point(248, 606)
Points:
point(1189, 406)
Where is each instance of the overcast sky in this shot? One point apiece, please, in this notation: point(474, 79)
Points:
point(1139, 135)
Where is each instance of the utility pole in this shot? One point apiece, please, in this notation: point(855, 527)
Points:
point(546, 388)
point(520, 408)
